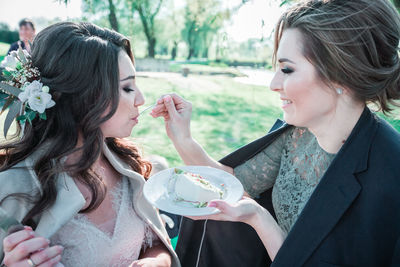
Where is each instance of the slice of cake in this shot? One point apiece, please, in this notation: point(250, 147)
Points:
point(194, 188)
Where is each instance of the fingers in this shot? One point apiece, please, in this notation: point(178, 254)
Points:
point(164, 105)
point(245, 194)
point(159, 111)
point(223, 206)
point(169, 104)
point(225, 214)
point(52, 262)
point(136, 263)
point(25, 248)
point(14, 239)
point(47, 256)
point(177, 99)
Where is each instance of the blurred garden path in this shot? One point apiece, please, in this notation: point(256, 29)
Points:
point(199, 82)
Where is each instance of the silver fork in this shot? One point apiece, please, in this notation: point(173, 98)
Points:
point(151, 106)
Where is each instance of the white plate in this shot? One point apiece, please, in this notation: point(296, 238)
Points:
point(156, 190)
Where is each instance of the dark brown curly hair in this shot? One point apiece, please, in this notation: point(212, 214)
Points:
point(79, 62)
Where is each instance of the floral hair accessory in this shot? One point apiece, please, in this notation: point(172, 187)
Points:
point(26, 96)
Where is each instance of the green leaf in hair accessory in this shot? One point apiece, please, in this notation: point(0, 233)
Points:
point(21, 119)
point(10, 89)
point(22, 56)
point(14, 110)
point(30, 115)
point(8, 102)
point(43, 116)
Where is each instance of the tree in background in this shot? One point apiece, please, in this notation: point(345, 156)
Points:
point(7, 35)
point(203, 19)
point(95, 6)
point(169, 27)
point(396, 4)
point(112, 17)
point(148, 10)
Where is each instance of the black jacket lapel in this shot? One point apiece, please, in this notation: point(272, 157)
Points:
point(332, 197)
point(246, 152)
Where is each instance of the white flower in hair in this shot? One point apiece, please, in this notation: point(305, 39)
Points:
point(37, 98)
point(9, 63)
point(45, 89)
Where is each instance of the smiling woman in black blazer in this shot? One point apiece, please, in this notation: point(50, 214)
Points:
point(332, 170)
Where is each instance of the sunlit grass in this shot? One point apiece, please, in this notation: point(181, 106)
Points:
point(3, 50)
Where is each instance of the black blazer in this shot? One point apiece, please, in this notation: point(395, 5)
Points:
point(351, 219)
point(15, 46)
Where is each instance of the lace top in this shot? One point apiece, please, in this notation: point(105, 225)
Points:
point(85, 244)
point(293, 165)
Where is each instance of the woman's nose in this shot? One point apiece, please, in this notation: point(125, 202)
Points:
point(276, 82)
point(139, 98)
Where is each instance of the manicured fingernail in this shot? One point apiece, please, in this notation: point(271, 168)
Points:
point(167, 98)
point(31, 233)
point(212, 204)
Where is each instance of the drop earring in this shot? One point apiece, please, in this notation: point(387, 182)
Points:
point(339, 91)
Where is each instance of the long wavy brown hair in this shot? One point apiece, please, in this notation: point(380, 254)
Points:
point(79, 62)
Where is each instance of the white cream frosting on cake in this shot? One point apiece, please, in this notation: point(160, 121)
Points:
point(192, 187)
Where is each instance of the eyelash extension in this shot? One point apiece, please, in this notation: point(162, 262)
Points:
point(128, 90)
point(287, 70)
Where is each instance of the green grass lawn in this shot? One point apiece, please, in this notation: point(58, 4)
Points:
point(3, 50)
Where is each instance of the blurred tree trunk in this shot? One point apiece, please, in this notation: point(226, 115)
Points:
point(203, 19)
point(147, 11)
point(95, 5)
point(191, 39)
point(174, 50)
point(112, 17)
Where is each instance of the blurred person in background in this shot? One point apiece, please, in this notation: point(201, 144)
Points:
point(26, 35)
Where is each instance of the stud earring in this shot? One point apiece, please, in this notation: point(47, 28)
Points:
point(339, 91)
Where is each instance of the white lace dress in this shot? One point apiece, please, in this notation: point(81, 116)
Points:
point(85, 244)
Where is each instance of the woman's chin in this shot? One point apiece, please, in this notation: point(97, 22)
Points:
point(287, 118)
point(122, 134)
point(291, 120)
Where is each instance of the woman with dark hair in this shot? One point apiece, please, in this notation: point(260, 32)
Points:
point(71, 178)
point(333, 167)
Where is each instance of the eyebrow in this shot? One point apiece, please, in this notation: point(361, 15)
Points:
point(129, 77)
point(281, 60)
